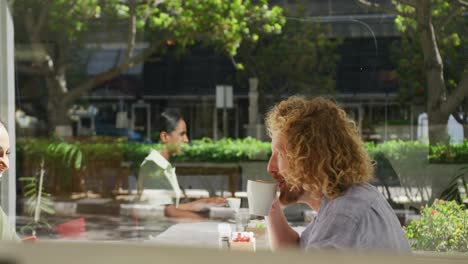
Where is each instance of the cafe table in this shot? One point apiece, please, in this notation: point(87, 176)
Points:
point(202, 234)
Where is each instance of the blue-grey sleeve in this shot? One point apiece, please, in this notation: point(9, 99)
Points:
point(337, 231)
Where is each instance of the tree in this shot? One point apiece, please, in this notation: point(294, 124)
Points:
point(434, 25)
point(300, 60)
point(55, 28)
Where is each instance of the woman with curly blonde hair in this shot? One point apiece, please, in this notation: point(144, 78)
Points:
point(318, 159)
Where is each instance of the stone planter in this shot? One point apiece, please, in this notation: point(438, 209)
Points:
point(430, 179)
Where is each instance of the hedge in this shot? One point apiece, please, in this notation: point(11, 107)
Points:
point(77, 153)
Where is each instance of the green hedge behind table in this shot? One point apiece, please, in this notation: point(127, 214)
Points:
point(224, 150)
point(203, 150)
point(395, 160)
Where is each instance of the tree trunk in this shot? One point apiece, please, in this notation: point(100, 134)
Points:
point(465, 131)
point(58, 114)
point(437, 128)
point(57, 106)
point(462, 119)
point(436, 89)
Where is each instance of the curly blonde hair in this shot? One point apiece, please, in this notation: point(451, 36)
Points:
point(324, 151)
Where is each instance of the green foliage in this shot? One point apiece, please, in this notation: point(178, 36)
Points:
point(405, 163)
point(226, 149)
point(397, 149)
point(199, 150)
point(457, 153)
point(443, 227)
point(66, 30)
point(224, 24)
point(77, 154)
point(403, 150)
point(300, 60)
point(408, 54)
point(52, 152)
point(456, 187)
point(30, 189)
point(68, 154)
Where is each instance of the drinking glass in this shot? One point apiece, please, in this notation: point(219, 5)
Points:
point(242, 219)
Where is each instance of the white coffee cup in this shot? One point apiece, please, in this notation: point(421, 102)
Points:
point(260, 196)
point(234, 203)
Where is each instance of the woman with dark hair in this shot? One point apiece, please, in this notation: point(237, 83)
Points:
point(7, 232)
point(157, 173)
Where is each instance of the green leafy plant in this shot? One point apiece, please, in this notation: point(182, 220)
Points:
point(164, 24)
point(68, 154)
point(443, 227)
point(37, 202)
point(457, 189)
point(226, 149)
point(410, 164)
point(75, 154)
point(446, 153)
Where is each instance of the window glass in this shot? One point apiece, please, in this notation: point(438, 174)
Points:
point(142, 120)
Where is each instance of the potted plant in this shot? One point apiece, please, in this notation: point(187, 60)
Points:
point(38, 202)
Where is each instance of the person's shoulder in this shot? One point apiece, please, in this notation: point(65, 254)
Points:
point(355, 201)
point(364, 191)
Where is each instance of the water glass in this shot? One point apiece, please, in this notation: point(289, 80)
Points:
point(242, 219)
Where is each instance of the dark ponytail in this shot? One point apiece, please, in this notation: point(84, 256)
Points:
point(168, 120)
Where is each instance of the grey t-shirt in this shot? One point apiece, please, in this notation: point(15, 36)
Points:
point(360, 219)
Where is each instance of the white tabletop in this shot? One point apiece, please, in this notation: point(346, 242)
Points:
point(201, 234)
